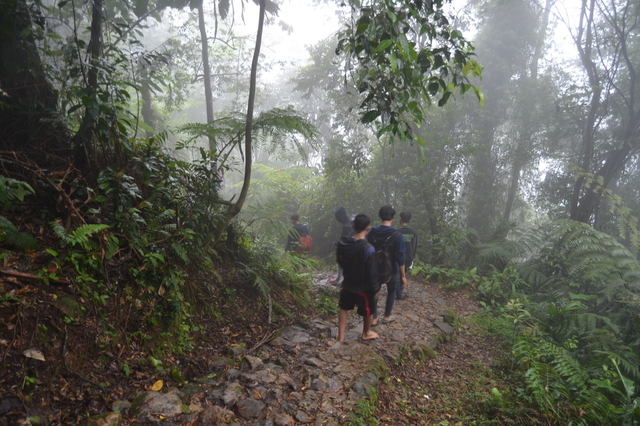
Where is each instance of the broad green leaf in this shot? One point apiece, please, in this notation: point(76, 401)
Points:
point(404, 45)
point(466, 68)
point(362, 28)
point(433, 88)
point(392, 16)
point(393, 61)
point(384, 45)
point(444, 99)
point(369, 116)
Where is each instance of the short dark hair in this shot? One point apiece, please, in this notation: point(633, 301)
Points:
point(295, 217)
point(360, 222)
point(405, 217)
point(387, 213)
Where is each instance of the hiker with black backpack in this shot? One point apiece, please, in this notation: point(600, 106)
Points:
point(360, 286)
point(298, 239)
point(390, 249)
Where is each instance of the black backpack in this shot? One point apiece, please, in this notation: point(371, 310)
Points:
point(383, 257)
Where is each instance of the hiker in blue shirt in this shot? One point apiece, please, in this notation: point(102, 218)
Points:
point(377, 236)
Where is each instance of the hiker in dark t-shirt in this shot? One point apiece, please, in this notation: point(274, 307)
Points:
point(298, 230)
point(411, 245)
point(360, 286)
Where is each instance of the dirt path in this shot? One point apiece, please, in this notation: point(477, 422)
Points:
point(420, 390)
point(304, 376)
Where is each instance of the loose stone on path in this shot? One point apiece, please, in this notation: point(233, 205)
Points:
point(302, 376)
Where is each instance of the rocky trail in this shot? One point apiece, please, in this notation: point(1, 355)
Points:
point(302, 375)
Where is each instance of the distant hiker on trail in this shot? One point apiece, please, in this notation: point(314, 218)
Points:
point(360, 286)
point(410, 237)
point(346, 231)
point(388, 242)
point(298, 239)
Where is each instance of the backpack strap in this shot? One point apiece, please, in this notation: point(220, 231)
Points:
point(391, 238)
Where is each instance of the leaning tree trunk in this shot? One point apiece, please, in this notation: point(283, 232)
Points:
point(235, 208)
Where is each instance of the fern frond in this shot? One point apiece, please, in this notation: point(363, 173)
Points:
point(82, 234)
point(10, 235)
point(494, 251)
point(180, 252)
point(60, 232)
point(626, 359)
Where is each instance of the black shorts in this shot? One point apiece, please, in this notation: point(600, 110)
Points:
point(349, 300)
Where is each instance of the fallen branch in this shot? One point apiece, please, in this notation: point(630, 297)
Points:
point(27, 276)
point(264, 340)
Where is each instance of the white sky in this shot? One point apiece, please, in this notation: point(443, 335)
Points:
point(311, 23)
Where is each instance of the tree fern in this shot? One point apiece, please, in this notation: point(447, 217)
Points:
point(576, 259)
point(276, 130)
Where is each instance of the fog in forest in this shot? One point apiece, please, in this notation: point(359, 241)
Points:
point(152, 134)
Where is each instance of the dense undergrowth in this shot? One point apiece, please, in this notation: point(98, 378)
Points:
point(568, 309)
point(127, 273)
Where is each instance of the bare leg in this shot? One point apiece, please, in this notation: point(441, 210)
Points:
point(342, 324)
point(367, 334)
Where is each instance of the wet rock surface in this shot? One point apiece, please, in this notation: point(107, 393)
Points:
point(302, 376)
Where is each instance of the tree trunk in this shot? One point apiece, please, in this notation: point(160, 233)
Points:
point(83, 143)
point(482, 209)
point(208, 96)
point(149, 116)
point(524, 141)
point(28, 102)
point(235, 208)
point(516, 168)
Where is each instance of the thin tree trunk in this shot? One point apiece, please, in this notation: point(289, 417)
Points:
point(148, 114)
point(235, 208)
point(586, 30)
point(208, 96)
point(85, 155)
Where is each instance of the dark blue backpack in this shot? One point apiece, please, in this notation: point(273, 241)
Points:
point(383, 256)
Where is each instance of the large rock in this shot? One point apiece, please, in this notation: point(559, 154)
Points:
point(232, 393)
point(283, 419)
point(295, 334)
point(251, 409)
point(217, 416)
point(151, 405)
point(107, 419)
